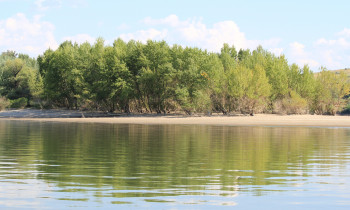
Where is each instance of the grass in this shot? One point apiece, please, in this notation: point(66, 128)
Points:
point(346, 70)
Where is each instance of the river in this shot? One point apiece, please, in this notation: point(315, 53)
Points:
point(50, 165)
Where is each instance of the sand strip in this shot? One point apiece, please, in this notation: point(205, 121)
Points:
point(257, 120)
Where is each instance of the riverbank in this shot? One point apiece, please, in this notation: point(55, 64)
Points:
point(240, 120)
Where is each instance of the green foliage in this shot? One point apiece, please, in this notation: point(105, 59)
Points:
point(346, 109)
point(154, 77)
point(330, 90)
point(277, 72)
point(294, 104)
point(108, 81)
point(4, 103)
point(192, 77)
point(19, 76)
point(61, 75)
point(219, 80)
point(11, 80)
point(250, 87)
point(19, 103)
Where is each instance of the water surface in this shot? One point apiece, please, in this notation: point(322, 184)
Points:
point(46, 165)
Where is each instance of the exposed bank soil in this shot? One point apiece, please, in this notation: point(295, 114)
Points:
point(239, 120)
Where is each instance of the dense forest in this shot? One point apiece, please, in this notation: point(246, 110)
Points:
point(159, 78)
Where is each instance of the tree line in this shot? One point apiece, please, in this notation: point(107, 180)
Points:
point(154, 77)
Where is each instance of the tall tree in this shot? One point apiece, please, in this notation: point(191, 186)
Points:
point(156, 75)
point(19, 77)
point(60, 75)
point(329, 92)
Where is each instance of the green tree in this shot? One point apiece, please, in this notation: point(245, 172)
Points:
point(277, 72)
point(243, 54)
point(156, 76)
point(135, 61)
point(250, 88)
point(329, 92)
point(19, 77)
point(115, 82)
point(307, 83)
point(59, 69)
point(11, 80)
point(193, 73)
point(219, 84)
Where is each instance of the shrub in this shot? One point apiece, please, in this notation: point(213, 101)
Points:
point(294, 104)
point(346, 109)
point(277, 107)
point(36, 103)
point(19, 103)
point(4, 103)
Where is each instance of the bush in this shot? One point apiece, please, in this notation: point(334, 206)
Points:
point(37, 104)
point(19, 103)
point(295, 104)
point(4, 103)
point(346, 109)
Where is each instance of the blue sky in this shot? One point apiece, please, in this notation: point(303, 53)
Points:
point(310, 32)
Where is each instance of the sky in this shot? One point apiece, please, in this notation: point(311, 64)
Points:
point(312, 32)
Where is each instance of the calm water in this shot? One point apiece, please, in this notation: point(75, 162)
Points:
point(87, 166)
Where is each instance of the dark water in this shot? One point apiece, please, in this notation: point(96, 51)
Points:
point(87, 166)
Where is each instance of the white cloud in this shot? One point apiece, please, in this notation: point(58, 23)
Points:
point(345, 32)
point(333, 53)
point(43, 5)
point(330, 53)
point(32, 36)
point(276, 51)
point(300, 56)
point(297, 49)
point(80, 38)
point(78, 3)
point(220, 33)
point(171, 20)
point(321, 41)
point(310, 62)
point(144, 35)
point(340, 42)
point(331, 59)
point(123, 27)
point(193, 32)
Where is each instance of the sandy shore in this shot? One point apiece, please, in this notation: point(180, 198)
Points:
point(257, 120)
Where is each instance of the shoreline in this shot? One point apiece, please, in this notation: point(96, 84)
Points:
point(256, 120)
